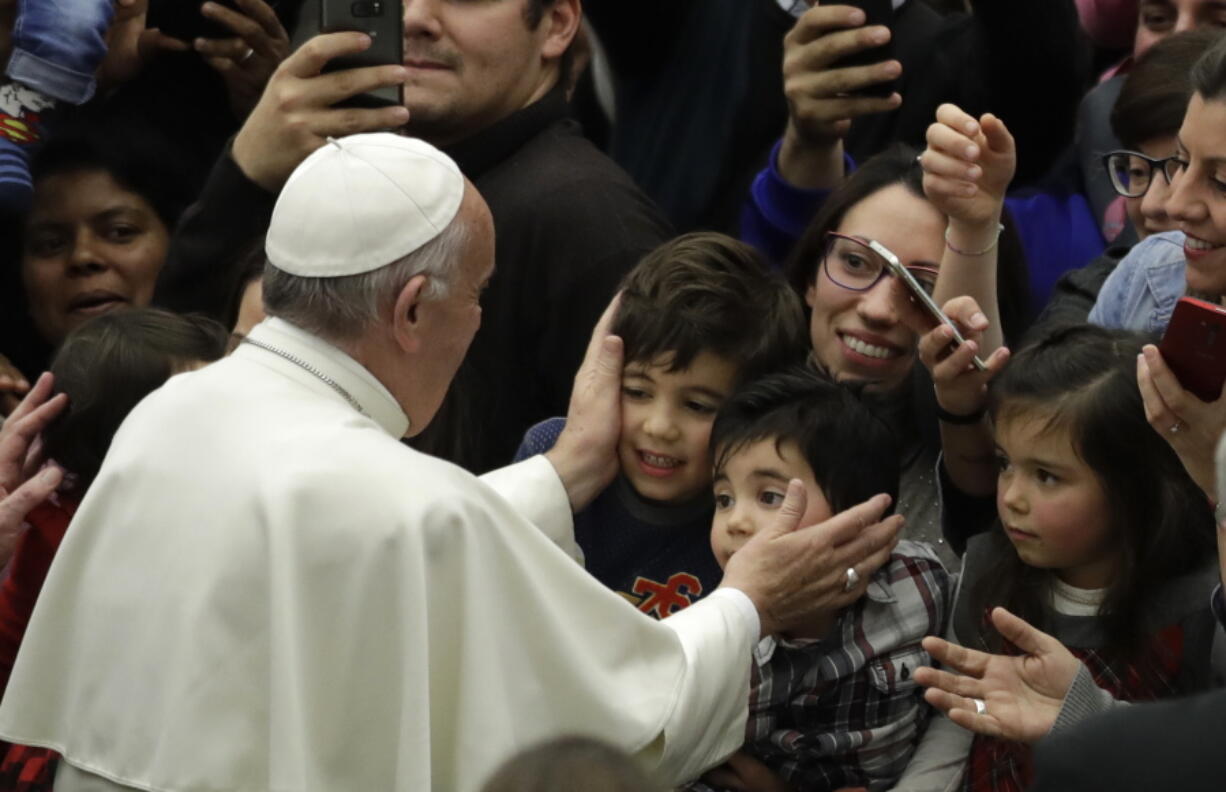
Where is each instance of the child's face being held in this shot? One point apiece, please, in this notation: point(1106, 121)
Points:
point(750, 489)
point(1051, 503)
point(666, 425)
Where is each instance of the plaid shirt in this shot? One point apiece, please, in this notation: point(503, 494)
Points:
point(996, 765)
point(844, 711)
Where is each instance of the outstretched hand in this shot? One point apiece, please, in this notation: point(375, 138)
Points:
point(585, 455)
point(21, 488)
point(1022, 694)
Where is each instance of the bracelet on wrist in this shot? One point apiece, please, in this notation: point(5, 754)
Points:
point(944, 416)
point(972, 253)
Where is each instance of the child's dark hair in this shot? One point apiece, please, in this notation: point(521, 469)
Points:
point(853, 453)
point(1082, 379)
point(571, 763)
point(107, 365)
point(707, 292)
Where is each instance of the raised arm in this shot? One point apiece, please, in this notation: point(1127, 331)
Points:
point(967, 169)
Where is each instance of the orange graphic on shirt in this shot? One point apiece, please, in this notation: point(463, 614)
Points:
point(665, 599)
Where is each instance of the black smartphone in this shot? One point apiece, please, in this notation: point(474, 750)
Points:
point(876, 12)
point(383, 21)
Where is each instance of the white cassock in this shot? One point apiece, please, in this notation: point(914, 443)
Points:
point(265, 590)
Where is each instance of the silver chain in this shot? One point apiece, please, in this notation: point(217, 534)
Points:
point(297, 361)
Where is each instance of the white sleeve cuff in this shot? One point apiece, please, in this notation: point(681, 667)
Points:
point(745, 606)
point(532, 488)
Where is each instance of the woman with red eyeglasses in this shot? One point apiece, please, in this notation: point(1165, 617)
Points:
point(855, 321)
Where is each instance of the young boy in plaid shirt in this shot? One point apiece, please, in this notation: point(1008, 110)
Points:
point(832, 704)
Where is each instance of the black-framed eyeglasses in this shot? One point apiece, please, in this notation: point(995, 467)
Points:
point(1132, 172)
point(849, 262)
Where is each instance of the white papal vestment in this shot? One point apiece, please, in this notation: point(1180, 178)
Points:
point(265, 590)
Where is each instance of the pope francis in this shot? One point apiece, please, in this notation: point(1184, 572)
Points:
point(266, 590)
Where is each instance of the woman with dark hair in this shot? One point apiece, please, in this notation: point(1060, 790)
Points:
point(950, 241)
point(1146, 119)
point(1142, 291)
point(106, 196)
point(1116, 566)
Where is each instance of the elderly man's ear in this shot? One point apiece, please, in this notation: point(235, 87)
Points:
point(408, 326)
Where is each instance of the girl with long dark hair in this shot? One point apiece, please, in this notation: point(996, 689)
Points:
point(1101, 538)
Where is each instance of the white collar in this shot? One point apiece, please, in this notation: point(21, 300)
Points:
point(373, 398)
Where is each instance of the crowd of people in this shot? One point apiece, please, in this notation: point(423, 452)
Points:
point(583, 421)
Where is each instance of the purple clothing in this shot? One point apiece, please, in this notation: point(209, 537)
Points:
point(1058, 231)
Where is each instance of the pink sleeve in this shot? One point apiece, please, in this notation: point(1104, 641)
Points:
point(1110, 23)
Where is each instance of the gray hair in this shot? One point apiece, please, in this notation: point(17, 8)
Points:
point(343, 308)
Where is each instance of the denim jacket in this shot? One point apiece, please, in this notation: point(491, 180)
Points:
point(1142, 291)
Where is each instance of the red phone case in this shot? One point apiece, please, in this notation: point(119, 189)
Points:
point(1194, 346)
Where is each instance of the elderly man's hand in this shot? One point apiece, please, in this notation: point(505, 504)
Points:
point(295, 115)
point(795, 574)
point(20, 491)
point(1020, 695)
point(585, 455)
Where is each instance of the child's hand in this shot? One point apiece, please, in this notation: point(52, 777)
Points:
point(1191, 426)
point(968, 166)
point(1014, 697)
point(961, 389)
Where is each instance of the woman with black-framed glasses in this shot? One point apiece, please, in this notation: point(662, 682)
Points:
point(1144, 181)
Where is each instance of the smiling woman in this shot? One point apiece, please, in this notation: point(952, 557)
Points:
point(855, 328)
point(98, 230)
point(1141, 293)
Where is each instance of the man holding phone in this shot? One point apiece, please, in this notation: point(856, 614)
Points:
point(486, 82)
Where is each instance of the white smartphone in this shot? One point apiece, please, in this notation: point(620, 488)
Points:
point(924, 298)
